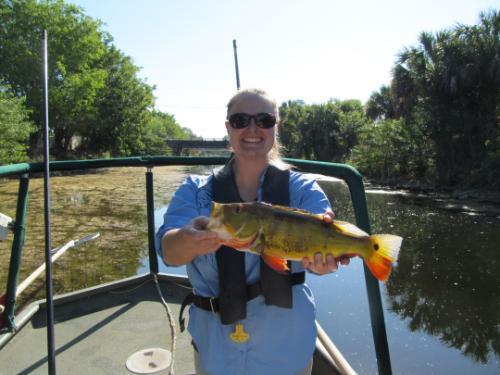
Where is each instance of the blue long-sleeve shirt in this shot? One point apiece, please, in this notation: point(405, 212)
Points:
point(281, 340)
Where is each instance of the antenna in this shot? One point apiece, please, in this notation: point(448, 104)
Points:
point(48, 256)
point(236, 65)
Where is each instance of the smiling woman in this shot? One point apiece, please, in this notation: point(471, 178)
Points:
point(252, 115)
point(252, 299)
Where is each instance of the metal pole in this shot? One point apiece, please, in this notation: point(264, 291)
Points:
point(17, 248)
point(372, 287)
point(48, 256)
point(153, 258)
point(236, 65)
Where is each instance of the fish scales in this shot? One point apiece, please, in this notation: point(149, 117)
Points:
point(298, 235)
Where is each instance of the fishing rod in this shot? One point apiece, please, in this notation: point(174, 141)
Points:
point(56, 253)
point(236, 65)
point(46, 179)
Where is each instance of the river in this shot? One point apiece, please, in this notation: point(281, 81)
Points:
point(442, 301)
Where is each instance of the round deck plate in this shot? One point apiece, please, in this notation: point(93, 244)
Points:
point(148, 361)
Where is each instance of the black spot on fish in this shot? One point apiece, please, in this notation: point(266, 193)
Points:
point(375, 246)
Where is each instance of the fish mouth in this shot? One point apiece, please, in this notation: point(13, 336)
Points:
point(228, 237)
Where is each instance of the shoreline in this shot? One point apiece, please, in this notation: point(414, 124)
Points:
point(461, 200)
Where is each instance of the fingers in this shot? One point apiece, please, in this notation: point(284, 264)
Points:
point(344, 259)
point(330, 265)
point(197, 239)
point(203, 242)
point(200, 234)
point(328, 216)
point(200, 222)
point(322, 265)
point(197, 228)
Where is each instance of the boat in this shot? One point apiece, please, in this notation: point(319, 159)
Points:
point(123, 326)
point(129, 325)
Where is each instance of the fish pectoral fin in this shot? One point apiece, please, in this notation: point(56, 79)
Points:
point(277, 264)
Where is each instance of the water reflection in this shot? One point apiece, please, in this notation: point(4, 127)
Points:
point(447, 281)
point(111, 202)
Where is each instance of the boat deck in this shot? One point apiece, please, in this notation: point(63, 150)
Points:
point(97, 330)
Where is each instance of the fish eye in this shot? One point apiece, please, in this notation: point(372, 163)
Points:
point(375, 246)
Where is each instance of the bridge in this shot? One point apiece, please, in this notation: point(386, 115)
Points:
point(180, 145)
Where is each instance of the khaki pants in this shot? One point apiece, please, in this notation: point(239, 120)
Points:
point(199, 371)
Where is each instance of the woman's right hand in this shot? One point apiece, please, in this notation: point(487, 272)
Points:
point(201, 240)
point(180, 246)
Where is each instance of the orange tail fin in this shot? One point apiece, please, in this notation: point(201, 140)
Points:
point(386, 249)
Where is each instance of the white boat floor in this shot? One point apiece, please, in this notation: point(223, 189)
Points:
point(96, 332)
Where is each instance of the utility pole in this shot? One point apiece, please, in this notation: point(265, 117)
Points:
point(236, 65)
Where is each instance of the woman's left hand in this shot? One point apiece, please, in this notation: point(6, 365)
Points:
point(330, 264)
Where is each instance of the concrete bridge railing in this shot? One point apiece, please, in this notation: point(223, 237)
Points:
point(178, 145)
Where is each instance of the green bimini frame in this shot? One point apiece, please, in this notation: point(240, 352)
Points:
point(347, 173)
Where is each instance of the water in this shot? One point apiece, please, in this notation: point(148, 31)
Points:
point(442, 301)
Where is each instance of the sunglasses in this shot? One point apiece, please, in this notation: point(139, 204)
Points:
point(242, 120)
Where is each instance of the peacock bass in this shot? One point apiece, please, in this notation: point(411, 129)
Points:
point(278, 233)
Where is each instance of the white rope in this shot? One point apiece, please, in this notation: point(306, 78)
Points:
point(170, 320)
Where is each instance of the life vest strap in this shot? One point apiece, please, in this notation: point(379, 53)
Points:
point(212, 303)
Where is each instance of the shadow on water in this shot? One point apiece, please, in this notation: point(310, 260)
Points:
point(442, 301)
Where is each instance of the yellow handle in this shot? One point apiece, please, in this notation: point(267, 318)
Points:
point(239, 335)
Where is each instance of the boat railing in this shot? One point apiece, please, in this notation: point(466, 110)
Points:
point(345, 172)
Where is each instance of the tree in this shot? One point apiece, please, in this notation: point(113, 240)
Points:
point(450, 85)
point(94, 89)
point(292, 137)
point(320, 131)
point(75, 46)
point(162, 127)
point(15, 128)
point(123, 108)
point(380, 105)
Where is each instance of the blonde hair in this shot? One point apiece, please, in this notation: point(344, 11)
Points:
point(255, 93)
point(275, 152)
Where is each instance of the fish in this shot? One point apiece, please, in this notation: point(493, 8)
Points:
point(279, 233)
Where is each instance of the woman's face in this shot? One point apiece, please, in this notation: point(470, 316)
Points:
point(251, 141)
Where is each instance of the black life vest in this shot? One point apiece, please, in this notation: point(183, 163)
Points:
point(276, 287)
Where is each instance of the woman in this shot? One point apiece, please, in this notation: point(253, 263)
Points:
point(246, 318)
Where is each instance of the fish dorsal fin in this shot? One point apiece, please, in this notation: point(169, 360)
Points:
point(291, 210)
point(348, 228)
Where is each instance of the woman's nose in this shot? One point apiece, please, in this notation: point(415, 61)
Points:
point(252, 124)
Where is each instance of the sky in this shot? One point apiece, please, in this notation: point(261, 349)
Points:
point(312, 50)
